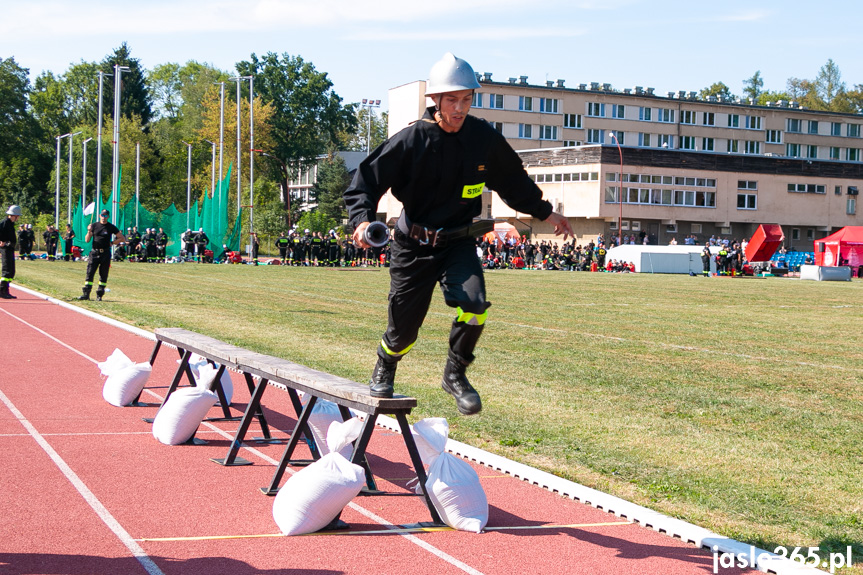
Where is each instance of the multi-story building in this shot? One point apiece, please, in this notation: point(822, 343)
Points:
point(687, 166)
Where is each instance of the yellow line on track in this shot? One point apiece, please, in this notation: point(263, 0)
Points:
point(395, 531)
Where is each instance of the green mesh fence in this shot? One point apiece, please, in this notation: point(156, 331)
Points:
point(212, 216)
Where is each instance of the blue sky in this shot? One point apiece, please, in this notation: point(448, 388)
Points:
point(369, 47)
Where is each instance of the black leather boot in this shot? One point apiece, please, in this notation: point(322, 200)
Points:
point(383, 378)
point(4, 292)
point(456, 384)
point(86, 293)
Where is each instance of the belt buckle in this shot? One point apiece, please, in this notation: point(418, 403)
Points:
point(436, 236)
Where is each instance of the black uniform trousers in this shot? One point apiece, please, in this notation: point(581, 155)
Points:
point(414, 272)
point(99, 260)
point(7, 272)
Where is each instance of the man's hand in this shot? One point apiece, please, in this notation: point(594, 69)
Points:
point(360, 235)
point(561, 225)
point(90, 228)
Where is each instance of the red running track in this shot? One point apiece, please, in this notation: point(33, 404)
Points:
point(86, 489)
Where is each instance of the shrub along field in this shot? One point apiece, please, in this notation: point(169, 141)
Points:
point(731, 403)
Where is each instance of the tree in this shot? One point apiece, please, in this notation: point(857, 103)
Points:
point(828, 82)
point(752, 86)
point(717, 89)
point(307, 113)
point(135, 97)
point(164, 81)
point(358, 141)
point(24, 158)
point(333, 179)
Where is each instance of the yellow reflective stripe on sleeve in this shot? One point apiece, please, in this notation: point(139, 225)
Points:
point(472, 191)
point(396, 353)
point(471, 318)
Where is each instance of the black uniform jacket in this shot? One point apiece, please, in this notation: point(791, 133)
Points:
point(439, 177)
point(8, 232)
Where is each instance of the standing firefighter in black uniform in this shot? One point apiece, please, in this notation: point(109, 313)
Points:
point(161, 245)
point(283, 243)
point(438, 167)
point(103, 233)
point(52, 238)
point(8, 238)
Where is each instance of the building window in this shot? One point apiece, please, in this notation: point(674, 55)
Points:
point(695, 229)
point(747, 185)
point(810, 234)
point(548, 105)
point(792, 150)
point(837, 190)
point(525, 131)
point(571, 143)
point(853, 130)
point(548, 132)
point(774, 136)
point(665, 141)
point(617, 134)
point(596, 109)
point(707, 144)
point(733, 146)
point(618, 111)
point(525, 103)
point(708, 119)
point(753, 122)
point(733, 120)
point(813, 127)
point(572, 121)
point(747, 202)
point(795, 234)
point(853, 154)
point(687, 142)
point(835, 129)
point(794, 125)
point(750, 147)
point(644, 114)
point(594, 136)
point(477, 100)
point(834, 153)
point(644, 140)
point(851, 206)
point(687, 117)
point(665, 115)
point(812, 152)
point(807, 188)
point(498, 126)
point(495, 101)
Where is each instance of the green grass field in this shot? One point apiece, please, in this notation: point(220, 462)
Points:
point(731, 403)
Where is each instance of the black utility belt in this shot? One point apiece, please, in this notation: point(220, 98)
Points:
point(441, 236)
point(99, 250)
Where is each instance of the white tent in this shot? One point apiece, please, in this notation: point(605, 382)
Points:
point(663, 259)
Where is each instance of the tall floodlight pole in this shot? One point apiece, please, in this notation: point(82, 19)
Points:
point(221, 137)
point(620, 191)
point(251, 155)
point(84, 176)
point(368, 105)
point(99, 147)
point(238, 80)
point(115, 169)
point(69, 199)
point(188, 185)
point(137, 180)
point(57, 182)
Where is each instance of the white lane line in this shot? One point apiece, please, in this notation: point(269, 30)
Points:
point(85, 492)
point(130, 543)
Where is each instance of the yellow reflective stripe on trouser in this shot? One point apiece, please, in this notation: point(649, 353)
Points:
point(471, 318)
point(88, 283)
point(5, 279)
point(396, 353)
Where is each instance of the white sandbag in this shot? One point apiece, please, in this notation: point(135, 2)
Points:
point(452, 484)
point(124, 385)
point(207, 373)
point(180, 416)
point(323, 415)
point(115, 362)
point(316, 494)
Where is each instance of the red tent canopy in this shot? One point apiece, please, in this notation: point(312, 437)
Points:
point(844, 248)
